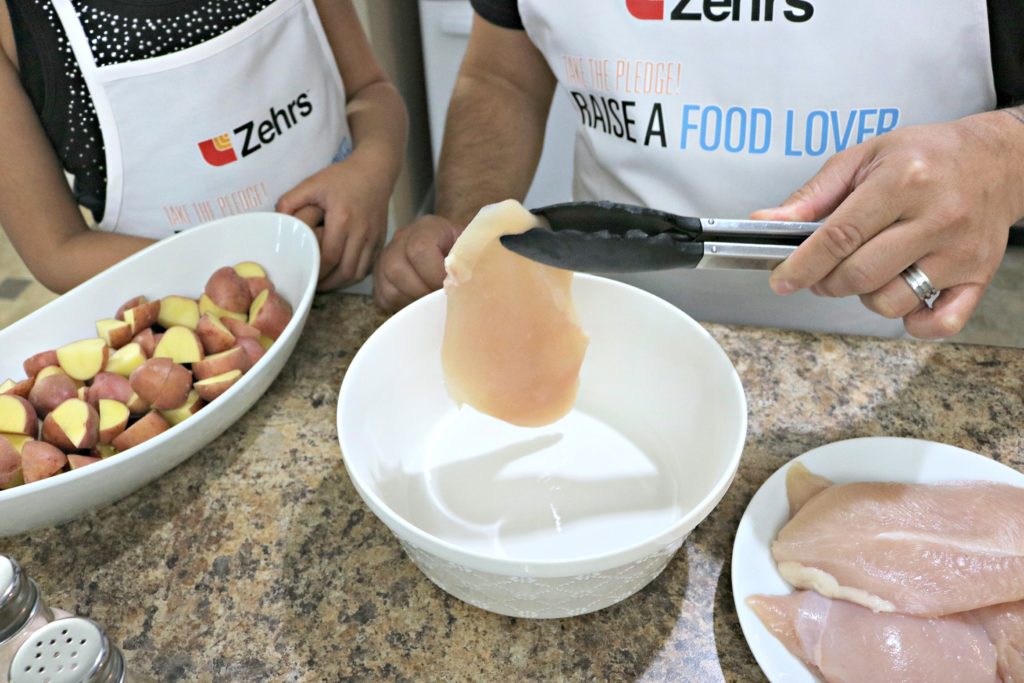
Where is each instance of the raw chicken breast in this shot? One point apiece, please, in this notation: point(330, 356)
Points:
point(802, 485)
point(920, 549)
point(512, 346)
point(846, 643)
point(1005, 627)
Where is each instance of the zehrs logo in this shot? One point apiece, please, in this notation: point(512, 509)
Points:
point(252, 136)
point(720, 10)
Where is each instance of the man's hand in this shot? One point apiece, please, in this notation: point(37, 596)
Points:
point(942, 196)
point(412, 264)
point(353, 201)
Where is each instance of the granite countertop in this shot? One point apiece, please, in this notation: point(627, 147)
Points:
point(256, 559)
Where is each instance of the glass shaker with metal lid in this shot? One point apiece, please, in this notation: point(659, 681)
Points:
point(22, 611)
point(72, 650)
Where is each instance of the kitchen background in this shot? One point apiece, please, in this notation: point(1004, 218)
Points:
point(421, 45)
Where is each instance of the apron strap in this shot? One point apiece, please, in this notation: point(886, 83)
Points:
point(90, 73)
point(76, 37)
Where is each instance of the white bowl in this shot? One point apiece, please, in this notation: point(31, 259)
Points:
point(559, 520)
point(288, 250)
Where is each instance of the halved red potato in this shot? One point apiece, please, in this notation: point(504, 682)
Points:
point(17, 415)
point(50, 390)
point(40, 460)
point(33, 364)
point(83, 359)
point(162, 383)
point(116, 333)
point(192, 406)
point(212, 387)
point(270, 313)
point(235, 358)
point(113, 419)
point(73, 425)
point(207, 305)
point(229, 290)
point(145, 429)
point(213, 334)
point(10, 466)
point(178, 311)
point(180, 344)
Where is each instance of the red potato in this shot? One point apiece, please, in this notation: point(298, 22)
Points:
point(79, 461)
point(142, 316)
point(22, 388)
point(145, 429)
point(116, 333)
point(103, 451)
point(212, 387)
point(146, 340)
point(71, 426)
point(113, 419)
point(51, 370)
point(248, 269)
point(178, 311)
point(258, 284)
point(40, 460)
point(50, 391)
point(241, 329)
point(137, 406)
point(255, 276)
point(206, 305)
point(162, 383)
point(192, 406)
point(82, 360)
point(270, 313)
point(213, 334)
point(34, 364)
point(126, 359)
point(253, 349)
point(235, 358)
point(16, 440)
point(229, 290)
point(180, 344)
point(131, 303)
point(108, 385)
point(10, 466)
point(17, 416)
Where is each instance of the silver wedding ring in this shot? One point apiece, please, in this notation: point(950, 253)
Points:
point(922, 286)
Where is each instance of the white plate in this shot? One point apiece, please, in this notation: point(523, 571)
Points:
point(867, 459)
point(288, 250)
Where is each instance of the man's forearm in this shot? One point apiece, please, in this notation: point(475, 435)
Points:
point(492, 145)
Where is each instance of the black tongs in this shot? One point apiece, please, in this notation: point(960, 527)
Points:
point(605, 237)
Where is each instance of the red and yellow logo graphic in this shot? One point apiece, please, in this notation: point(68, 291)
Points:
point(651, 10)
point(218, 151)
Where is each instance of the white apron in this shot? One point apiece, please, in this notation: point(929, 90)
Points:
point(221, 128)
point(715, 109)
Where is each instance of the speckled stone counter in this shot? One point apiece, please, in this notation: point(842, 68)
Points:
point(256, 560)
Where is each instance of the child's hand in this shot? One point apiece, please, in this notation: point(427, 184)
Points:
point(353, 197)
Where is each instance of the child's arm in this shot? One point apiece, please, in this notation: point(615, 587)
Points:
point(353, 194)
point(37, 210)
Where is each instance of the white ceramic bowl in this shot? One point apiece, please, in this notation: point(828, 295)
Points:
point(288, 250)
point(559, 520)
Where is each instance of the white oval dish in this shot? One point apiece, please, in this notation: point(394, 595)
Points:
point(558, 520)
point(181, 264)
point(864, 459)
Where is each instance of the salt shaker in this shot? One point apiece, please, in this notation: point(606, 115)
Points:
point(22, 611)
point(72, 650)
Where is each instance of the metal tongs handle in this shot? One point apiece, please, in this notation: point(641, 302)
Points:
point(750, 244)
